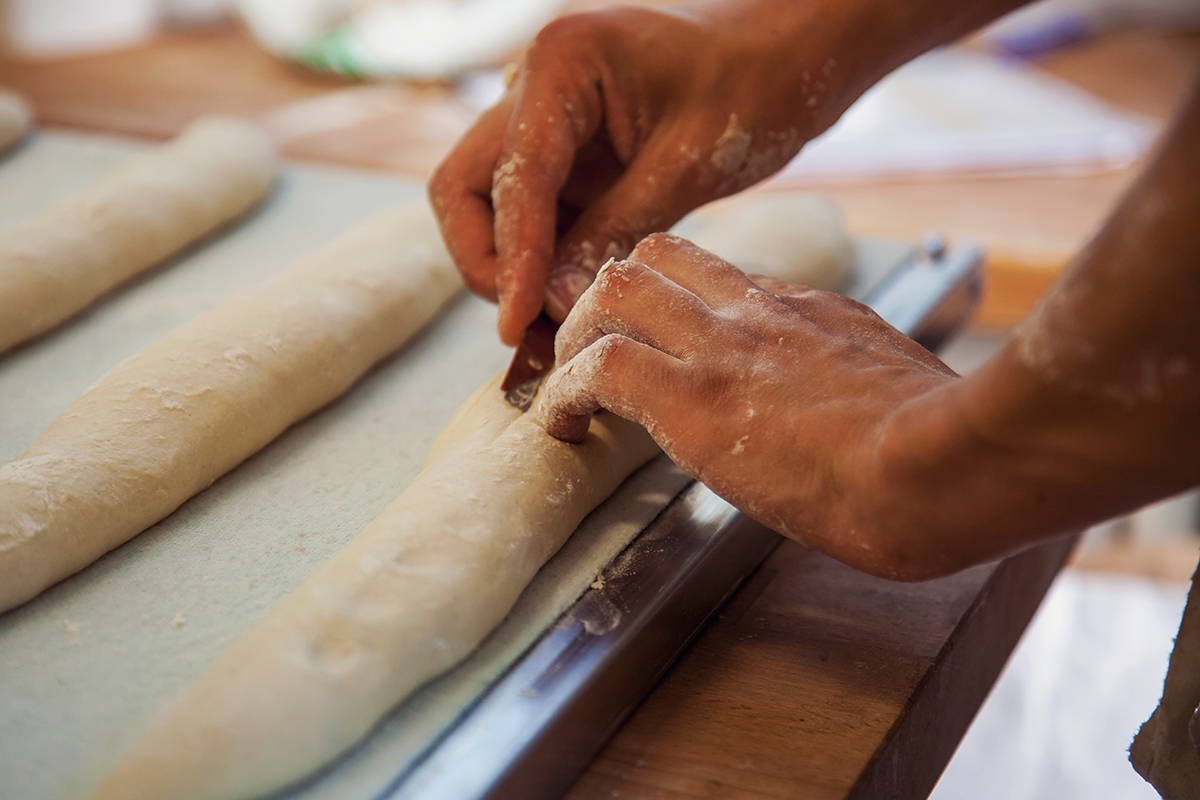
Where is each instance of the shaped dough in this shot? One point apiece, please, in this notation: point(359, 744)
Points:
point(420, 587)
point(167, 422)
point(405, 600)
point(57, 263)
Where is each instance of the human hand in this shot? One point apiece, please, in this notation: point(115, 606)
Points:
point(619, 122)
point(777, 397)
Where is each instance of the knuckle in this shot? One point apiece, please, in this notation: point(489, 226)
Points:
point(780, 287)
point(505, 173)
point(624, 270)
point(847, 303)
point(560, 37)
point(445, 184)
point(614, 278)
point(442, 194)
point(863, 313)
point(440, 179)
point(611, 351)
point(554, 31)
point(657, 245)
point(571, 30)
point(814, 301)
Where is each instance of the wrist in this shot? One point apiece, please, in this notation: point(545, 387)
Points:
point(924, 484)
point(846, 46)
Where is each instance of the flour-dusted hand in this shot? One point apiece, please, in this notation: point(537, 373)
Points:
point(622, 120)
point(618, 123)
point(811, 414)
point(774, 395)
point(803, 408)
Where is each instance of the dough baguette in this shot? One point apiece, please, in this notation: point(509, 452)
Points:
point(411, 595)
point(167, 422)
point(57, 263)
point(406, 599)
point(15, 118)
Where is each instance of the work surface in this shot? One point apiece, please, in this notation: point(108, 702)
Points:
point(816, 681)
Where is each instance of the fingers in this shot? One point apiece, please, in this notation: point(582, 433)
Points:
point(557, 109)
point(460, 193)
point(497, 194)
point(641, 201)
point(711, 278)
point(638, 303)
point(717, 282)
point(539, 165)
point(653, 193)
point(610, 373)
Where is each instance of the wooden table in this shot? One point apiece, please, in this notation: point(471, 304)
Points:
point(819, 682)
point(816, 681)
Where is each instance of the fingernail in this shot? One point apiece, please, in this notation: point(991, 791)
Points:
point(563, 287)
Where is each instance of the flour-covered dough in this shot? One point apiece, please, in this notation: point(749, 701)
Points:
point(423, 584)
point(171, 419)
point(406, 599)
point(57, 263)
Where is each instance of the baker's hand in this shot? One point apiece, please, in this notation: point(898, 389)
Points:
point(774, 395)
point(618, 123)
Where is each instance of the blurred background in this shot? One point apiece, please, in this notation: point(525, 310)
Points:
point(1020, 138)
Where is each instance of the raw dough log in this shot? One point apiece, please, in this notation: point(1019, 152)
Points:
point(794, 237)
point(15, 118)
point(406, 599)
point(57, 263)
point(421, 586)
point(167, 422)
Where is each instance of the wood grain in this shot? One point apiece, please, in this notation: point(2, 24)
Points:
point(819, 682)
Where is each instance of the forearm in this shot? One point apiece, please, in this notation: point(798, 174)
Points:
point(837, 50)
point(1093, 408)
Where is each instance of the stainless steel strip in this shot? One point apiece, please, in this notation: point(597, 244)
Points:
point(542, 722)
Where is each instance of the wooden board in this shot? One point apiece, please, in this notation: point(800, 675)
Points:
point(820, 682)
